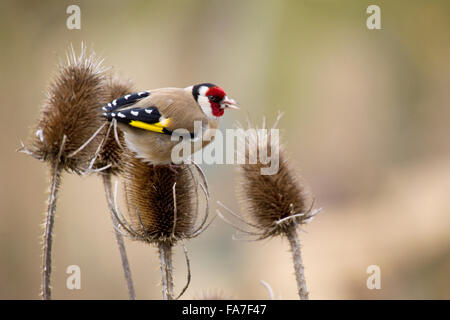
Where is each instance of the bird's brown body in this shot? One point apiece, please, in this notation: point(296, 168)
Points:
point(179, 106)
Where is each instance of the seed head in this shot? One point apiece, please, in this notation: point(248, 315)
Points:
point(71, 113)
point(160, 200)
point(272, 202)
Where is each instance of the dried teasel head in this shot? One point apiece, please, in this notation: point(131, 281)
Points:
point(67, 134)
point(272, 200)
point(70, 116)
point(162, 201)
point(110, 153)
point(163, 206)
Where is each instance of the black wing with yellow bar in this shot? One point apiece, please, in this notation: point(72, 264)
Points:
point(143, 118)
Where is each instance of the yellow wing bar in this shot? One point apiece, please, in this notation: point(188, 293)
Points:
point(155, 127)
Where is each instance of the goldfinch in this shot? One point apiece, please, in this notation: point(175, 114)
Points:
point(148, 118)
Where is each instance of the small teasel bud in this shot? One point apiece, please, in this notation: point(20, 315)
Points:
point(162, 203)
point(275, 204)
point(110, 153)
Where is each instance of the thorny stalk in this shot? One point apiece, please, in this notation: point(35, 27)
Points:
point(119, 237)
point(294, 242)
point(165, 257)
point(55, 170)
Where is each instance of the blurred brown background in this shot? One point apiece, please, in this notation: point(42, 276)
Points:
point(366, 123)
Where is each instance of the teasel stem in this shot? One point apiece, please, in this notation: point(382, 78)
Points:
point(55, 173)
point(291, 234)
point(165, 257)
point(119, 238)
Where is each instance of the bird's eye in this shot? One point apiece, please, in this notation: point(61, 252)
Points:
point(214, 98)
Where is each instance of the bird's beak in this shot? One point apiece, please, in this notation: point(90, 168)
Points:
point(229, 103)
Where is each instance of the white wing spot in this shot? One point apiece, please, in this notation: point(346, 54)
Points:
point(135, 113)
point(127, 96)
point(40, 135)
point(114, 102)
point(121, 115)
point(141, 93)
point(113, 114)
point(149, 111)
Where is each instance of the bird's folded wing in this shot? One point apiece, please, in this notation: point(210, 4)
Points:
point(125, 101)
point(156, 111)
point(144, 118)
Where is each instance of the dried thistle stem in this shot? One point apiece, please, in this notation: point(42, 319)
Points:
point(291, 234)
point(165, 257)
point(119, 238)
point(55, 173)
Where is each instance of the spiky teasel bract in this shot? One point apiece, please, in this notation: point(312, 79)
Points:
point(71, 112)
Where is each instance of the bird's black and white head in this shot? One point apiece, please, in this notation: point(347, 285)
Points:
point(212, 99)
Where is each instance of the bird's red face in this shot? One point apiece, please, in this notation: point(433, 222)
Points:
point(215, 96)
point(212, 99)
